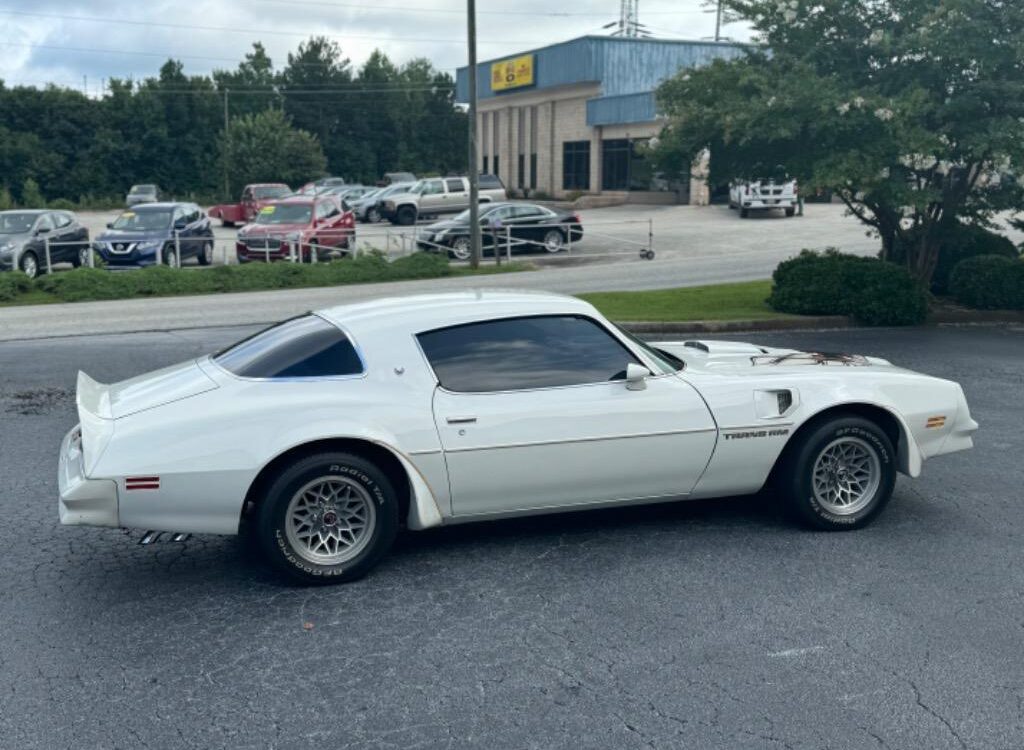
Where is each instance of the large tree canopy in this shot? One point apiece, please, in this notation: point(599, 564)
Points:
point(168, 129)
point(264, 147)
point(911, 111)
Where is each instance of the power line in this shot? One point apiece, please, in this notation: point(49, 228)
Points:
point(166, 55)
point(462, 11)
point(236, 30)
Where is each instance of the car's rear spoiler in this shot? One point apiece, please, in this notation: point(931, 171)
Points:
point(93, 398)
point(95, 419)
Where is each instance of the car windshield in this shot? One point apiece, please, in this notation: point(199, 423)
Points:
point(371, 194)
point(143, 189)
point(136, 221)
point(285, 213)
point(263, 193)
point(666, 362)
point(16, 222)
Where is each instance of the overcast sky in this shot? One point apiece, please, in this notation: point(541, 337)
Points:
point(58, 41)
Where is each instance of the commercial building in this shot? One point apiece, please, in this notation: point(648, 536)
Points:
point(577, 117)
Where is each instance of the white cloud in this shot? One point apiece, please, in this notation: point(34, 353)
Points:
point(62, 49)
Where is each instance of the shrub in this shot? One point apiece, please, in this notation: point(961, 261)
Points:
point(85, 284)
point(6, 201)
point(871, 291)
point(989, 282)
point(809, 284)
point(960, 243)
point(62, 204)
point(12, 284)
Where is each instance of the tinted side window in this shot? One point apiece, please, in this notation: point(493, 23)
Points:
point(61, 220)
point(522, 353)
point(45, 222)
point(306, 347)
point(455, 186)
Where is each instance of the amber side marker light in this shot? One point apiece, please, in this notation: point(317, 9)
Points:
point(935, 422)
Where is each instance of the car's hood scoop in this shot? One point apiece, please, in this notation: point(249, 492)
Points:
point(144, 392)
point(738, 356)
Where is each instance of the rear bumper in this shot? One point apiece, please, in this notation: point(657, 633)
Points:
point(83, 501)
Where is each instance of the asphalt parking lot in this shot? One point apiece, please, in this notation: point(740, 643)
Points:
point(701, 625)
point(617, 233)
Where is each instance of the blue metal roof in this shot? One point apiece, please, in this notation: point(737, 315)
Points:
point(627, 69)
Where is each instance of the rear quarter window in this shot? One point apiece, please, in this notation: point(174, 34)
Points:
point(306, 347)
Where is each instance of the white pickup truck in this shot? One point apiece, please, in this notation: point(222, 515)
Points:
point(764, 195)
point(438, 195)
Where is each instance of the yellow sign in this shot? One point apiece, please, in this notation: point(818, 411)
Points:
point(512, 74)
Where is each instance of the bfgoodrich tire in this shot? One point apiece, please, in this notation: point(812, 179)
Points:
point(328, 518)
point(840, 475)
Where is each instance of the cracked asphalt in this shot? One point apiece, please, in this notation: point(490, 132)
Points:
point(699, 625)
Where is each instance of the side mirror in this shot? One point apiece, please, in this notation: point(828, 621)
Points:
point(110, 225)
point(43, 230)
point(636, 377)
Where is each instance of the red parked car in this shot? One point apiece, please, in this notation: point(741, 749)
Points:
point(306, 223)
point(254, 197)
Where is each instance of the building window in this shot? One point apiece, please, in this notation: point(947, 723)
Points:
point(576, 165)
point(624, 166)
point(484, 170)
point(522, 171)
point(615, 155)
point(533, 171)
point(495, 165)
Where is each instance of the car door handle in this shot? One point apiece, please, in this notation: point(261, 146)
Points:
point(461, 420)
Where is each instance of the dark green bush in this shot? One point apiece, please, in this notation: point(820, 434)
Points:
point(810, 284)
point(989, 282)
point(872, 292)
point(958, 244)
point(85, 284)
point(12, 284)
point(63, 204)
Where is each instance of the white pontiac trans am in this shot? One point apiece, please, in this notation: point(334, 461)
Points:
point(323, 434)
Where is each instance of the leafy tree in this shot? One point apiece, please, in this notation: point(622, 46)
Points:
point(911, 111)
point(30, 195)
point(264, 147)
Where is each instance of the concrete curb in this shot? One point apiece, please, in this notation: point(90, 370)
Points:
point(820, 322)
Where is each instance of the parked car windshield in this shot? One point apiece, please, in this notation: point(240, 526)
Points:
point(135, 221)
point(16, 222)
point(263, 193)
point(285, 213)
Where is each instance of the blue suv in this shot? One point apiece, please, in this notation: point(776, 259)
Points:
point(145, 235)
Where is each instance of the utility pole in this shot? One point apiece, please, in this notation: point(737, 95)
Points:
point(227, 148)
point(474, 169)
point(718, 22)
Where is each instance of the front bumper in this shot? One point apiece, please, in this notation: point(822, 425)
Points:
point(755, 204)
point(83, 501)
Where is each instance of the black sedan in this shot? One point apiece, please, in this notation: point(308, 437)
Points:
point(529, 228)
point(25, 236)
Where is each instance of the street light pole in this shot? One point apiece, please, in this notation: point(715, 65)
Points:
point(474, 170)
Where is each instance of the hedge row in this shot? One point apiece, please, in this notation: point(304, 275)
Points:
point(959, 243)
point(989, 282)
point(873, 292)
point(95, 284)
